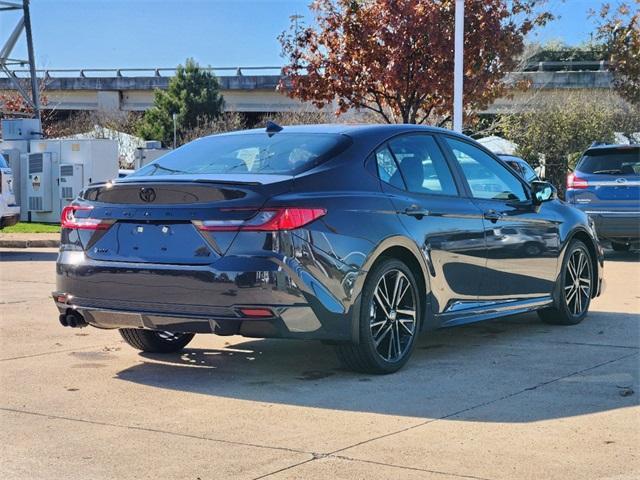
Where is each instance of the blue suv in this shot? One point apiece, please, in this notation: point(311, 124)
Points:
point(606, 186)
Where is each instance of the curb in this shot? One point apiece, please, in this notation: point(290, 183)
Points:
point(6, 243)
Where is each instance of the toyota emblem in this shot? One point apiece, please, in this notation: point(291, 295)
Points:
point(147, 194)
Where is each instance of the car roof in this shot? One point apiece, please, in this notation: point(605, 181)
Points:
point(604, 148)
point(352, 129)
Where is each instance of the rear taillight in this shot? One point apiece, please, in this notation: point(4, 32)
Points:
point(575, 182)
point(256, 312)
point(267, 220)
point(68, 219)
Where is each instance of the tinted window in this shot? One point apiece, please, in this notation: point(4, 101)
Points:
point(423, 165)
point(487, 178)
point(282, 153)
point(516, 166)
point(522, 167)
point(614, 162)
point(529, 173)
point(388, 169)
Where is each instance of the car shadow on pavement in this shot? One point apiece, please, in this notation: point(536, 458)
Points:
point(22, 255)
point(451, 371)
point(611, 256)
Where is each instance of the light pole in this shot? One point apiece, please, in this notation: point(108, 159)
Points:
point(458, 68)
point(174, 116)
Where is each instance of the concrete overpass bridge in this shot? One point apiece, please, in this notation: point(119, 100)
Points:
point(253, 89)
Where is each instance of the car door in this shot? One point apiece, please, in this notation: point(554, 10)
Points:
point(447, 227)
point(522, 238)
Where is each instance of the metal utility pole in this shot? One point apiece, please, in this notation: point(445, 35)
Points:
point(6, 62)
point(458, 69)
point(174, 116)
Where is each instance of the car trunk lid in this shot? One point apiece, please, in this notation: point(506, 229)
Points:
point(151, 220)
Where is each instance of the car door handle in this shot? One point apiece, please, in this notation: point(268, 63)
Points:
point(415, 211)
point(493, 215)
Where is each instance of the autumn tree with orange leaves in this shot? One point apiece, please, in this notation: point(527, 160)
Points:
point(395, 57)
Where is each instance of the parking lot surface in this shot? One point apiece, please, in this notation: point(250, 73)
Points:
point(508, 399)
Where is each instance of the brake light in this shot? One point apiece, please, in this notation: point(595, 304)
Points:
point(68, 219)
point(256, 312)
point(268, 220)
point(575, 182)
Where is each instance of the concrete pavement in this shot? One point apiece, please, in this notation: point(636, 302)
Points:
point(504, 399)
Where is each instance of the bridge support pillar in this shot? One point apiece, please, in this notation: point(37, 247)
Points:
point(109, 100)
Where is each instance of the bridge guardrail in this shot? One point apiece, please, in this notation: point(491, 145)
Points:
point(126, 72)
point(545, 66)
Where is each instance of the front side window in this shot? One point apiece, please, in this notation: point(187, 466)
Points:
point(423, 165)
point(282, 153)
point(487, 178)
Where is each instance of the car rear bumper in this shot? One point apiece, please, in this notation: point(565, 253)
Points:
point(206, 298)
point(612, 225)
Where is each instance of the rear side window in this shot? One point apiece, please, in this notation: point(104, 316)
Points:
point(612, 162)
point(388, 168)
point(422, 164)
point(281, 154)
point(3, 162)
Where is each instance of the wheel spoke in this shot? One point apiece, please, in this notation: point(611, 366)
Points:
point(396, 287)
point(392, 343)
point(582, 264)
point(385, 294)
point(385, 331)
point(571, 269)
point(397, 337)
point(570, 296)
point(381, 303)
point(402, 324)
point(405, 311)
point(402, 294)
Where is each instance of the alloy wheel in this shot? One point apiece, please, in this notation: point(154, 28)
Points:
point(577, 282)
point(393, 315)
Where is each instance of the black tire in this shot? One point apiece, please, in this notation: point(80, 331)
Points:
point(571, 310)
point(154, 341)
point(366, 356)
point(620, 247)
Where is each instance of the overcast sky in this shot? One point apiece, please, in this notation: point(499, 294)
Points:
point(153, 33)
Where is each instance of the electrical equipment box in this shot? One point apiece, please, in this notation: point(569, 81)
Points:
point(146, 155)
point(21, 128)
point(71, 181)
point(39, 180)
point(75, 164)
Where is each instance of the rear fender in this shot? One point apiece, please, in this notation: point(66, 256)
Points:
point(376, 254)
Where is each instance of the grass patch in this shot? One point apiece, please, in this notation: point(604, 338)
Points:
point(25, 227)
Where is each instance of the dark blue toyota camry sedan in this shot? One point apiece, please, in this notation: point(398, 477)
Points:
point(360, 236)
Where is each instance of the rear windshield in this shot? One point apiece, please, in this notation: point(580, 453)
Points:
point(613, 162)
point(281, 153)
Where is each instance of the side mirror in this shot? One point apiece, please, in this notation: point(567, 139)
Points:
point(542, 192)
